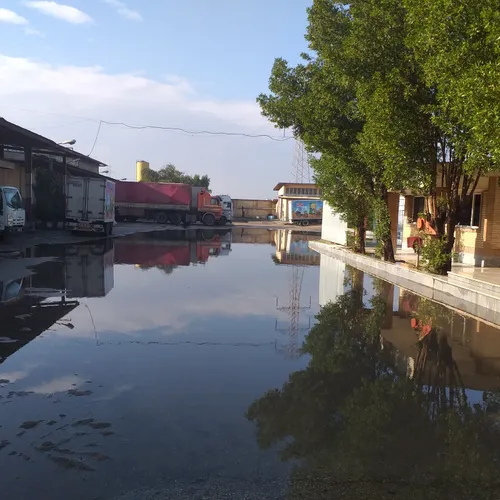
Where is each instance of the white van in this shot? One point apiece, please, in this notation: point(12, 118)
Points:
point(12, 213)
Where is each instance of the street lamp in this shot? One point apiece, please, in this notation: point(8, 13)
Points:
point(70, 142)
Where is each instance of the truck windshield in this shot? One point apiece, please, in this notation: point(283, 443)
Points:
point(13, 198)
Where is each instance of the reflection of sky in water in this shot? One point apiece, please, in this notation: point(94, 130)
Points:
point(173, 364)
point(157, 376)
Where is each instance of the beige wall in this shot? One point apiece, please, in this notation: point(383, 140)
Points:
point(254, 208)
point(13, 176)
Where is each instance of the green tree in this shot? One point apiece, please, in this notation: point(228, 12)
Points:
point(356, 101)
point(456, 45)
point(169, 173)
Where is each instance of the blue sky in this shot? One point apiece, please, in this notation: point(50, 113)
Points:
point(219, 51)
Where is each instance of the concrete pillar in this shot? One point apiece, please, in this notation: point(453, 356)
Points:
point(28, 192)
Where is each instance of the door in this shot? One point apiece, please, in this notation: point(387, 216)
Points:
point(2, 223)
point(75, 203)
point(96, 193)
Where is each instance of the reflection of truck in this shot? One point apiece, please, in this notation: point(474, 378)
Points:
point(167, 202)
point(12, 214)
point(90, 205)
point(305, 212)
point(227, 207)
point(167, 251)
point(88, 270)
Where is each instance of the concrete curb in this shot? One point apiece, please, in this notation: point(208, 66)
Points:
point(460, 296)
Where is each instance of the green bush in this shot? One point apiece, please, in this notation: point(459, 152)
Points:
point(434, 257)
point(350, 239)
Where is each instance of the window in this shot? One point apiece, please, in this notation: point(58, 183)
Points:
point(1, 202)
point(214, 201)
point(418, 207)
point(13, 198)
point(470, 214)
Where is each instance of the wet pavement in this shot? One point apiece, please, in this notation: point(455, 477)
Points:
point(194, 365)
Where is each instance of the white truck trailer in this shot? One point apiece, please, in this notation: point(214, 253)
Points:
point(90, 205)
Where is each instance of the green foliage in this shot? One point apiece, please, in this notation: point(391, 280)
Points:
point(434, 255)
point(169, 173)
point(49, 195)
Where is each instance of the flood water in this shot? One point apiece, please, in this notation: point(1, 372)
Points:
point(197, 365)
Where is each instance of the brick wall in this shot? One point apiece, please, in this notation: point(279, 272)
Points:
point(472, 244)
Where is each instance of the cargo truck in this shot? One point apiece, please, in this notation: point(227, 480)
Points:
point(167, 202)
point(227, 207)
point(12, 213)
point(90, 205)
point(305, 212)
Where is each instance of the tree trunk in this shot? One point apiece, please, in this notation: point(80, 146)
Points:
point(361, 243)
point(388, 250)
point(383, 225)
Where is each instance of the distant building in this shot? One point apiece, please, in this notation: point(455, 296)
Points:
point(290, 191)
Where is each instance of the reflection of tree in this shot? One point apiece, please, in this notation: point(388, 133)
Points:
point(362, 431)
point(164, 268)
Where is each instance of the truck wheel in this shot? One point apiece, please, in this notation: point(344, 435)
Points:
point(161, 218)
point(222, 221)
point(175, 218)
point(208, 219)
point(305, 222)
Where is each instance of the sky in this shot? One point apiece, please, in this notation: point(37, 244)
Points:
point(195, 64)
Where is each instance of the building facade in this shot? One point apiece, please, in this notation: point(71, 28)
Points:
point(477, 236)
point(289, 192)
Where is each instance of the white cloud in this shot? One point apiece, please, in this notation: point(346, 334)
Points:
point(33, 32)
point(124, 11)
point(59, 384)
point(64, 12)
point(68, 101)
point(10, 17)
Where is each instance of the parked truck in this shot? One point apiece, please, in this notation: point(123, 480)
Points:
point(227, 207)
point(167, 202)
point(305, 212)
point(12, 213)
point(90, 204)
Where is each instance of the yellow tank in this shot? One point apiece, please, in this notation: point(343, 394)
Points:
point(140, 166)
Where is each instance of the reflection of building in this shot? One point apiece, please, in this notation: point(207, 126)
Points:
point(31, 305)
point(332, 273)
point(253, 235)
point(170, 249)
point(292, 247)
point(292, 250)
point(475, 345)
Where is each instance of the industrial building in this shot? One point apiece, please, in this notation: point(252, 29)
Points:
point(290, 191)
point(23, 151)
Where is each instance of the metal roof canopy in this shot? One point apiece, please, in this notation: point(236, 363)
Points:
point(12, 135)
point(281, 184)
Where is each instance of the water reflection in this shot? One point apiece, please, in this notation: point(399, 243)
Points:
point(141, 386)
point(364, 421)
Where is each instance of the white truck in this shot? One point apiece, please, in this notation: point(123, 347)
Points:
point(227, 207)
point(12, 213)
point(90, 205)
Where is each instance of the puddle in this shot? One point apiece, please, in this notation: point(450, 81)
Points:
point(211, 376)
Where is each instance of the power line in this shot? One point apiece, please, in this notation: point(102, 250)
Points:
point(96, 137)
point(185, 131)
